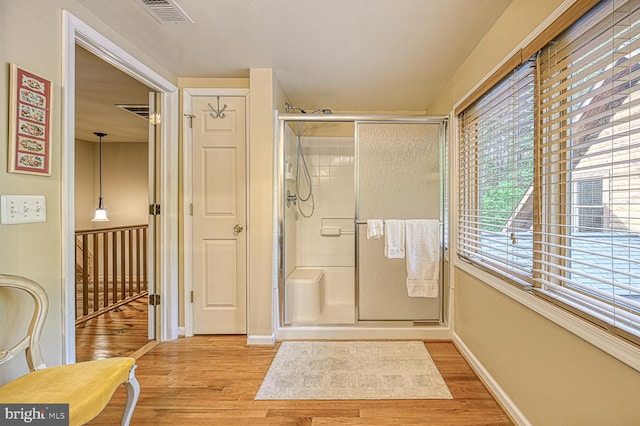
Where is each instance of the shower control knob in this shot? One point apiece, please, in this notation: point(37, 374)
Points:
point(238, 228)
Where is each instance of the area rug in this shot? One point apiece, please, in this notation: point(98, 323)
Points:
point(353, 370)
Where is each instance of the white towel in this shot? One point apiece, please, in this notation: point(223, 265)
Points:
point(375, 229)
point(423, 255)
point(394, 239)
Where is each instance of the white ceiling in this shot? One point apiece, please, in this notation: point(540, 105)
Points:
point(346, 55)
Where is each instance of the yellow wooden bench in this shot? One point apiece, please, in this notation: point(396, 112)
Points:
point(86, 386)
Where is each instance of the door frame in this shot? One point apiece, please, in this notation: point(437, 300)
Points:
point(77, 32)
point(187, 191)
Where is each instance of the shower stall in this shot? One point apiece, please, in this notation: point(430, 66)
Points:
point(336, 174)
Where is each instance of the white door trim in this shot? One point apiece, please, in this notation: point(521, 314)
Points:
point(187, 192)
point(77, 32)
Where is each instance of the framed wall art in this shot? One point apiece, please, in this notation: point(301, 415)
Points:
point(29, 123)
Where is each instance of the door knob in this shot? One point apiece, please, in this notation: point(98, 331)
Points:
point(238, 228)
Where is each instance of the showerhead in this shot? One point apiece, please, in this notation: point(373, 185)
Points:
point(288, 108)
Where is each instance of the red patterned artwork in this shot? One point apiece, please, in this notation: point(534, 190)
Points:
point(30, 123)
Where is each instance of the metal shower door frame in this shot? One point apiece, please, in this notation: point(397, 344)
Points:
point(442, 142)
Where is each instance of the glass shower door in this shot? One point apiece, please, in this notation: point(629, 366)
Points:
point(398, 177)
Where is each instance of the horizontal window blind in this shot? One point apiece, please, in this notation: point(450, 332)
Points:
point(587, 254)
point(496, 175)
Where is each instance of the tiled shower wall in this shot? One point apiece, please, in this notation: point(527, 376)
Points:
point(331, 165)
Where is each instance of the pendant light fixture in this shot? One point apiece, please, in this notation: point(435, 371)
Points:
point(101, 212)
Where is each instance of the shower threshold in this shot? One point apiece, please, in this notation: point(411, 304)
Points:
point(364, 331)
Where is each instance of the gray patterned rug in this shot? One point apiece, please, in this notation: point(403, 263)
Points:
point(353, 370)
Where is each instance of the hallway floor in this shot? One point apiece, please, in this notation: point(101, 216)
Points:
point(115, 333)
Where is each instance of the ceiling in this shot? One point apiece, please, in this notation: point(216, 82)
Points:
point(99, 88)
point(346, 55)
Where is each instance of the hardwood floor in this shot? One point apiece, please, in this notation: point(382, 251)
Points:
point(206, 380)
point(115, 333)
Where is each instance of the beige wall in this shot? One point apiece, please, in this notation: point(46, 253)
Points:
point(260, 224)
point(514, 25)
point(34, 250)
point(552, 376)
point(125, 183)
point(86, 199)
point(213, 83)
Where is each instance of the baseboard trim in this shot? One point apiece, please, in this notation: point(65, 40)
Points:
point(512, 410)
point(261, 339)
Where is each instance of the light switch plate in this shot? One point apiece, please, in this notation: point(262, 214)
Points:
point(22, 209)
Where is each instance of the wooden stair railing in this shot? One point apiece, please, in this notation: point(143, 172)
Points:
point(111, 269)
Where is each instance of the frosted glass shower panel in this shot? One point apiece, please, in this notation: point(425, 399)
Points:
point(398, 178)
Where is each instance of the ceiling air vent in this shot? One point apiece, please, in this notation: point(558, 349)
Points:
point(166, 11)
point(139, 110)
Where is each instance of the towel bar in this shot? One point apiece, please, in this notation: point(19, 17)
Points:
point(364, 222)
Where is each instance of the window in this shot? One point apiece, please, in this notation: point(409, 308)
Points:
point(589, 210)
point(589, 103)
point(496, 175)
point(550, 196)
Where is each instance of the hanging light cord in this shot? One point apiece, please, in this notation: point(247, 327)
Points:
point(100, 135)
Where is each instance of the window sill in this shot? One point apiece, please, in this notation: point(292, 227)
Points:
point(625, 352)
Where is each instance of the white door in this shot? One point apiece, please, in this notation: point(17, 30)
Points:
point(219, 215)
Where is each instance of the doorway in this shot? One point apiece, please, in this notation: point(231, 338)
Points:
point(164, 246)
point(115, 169)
